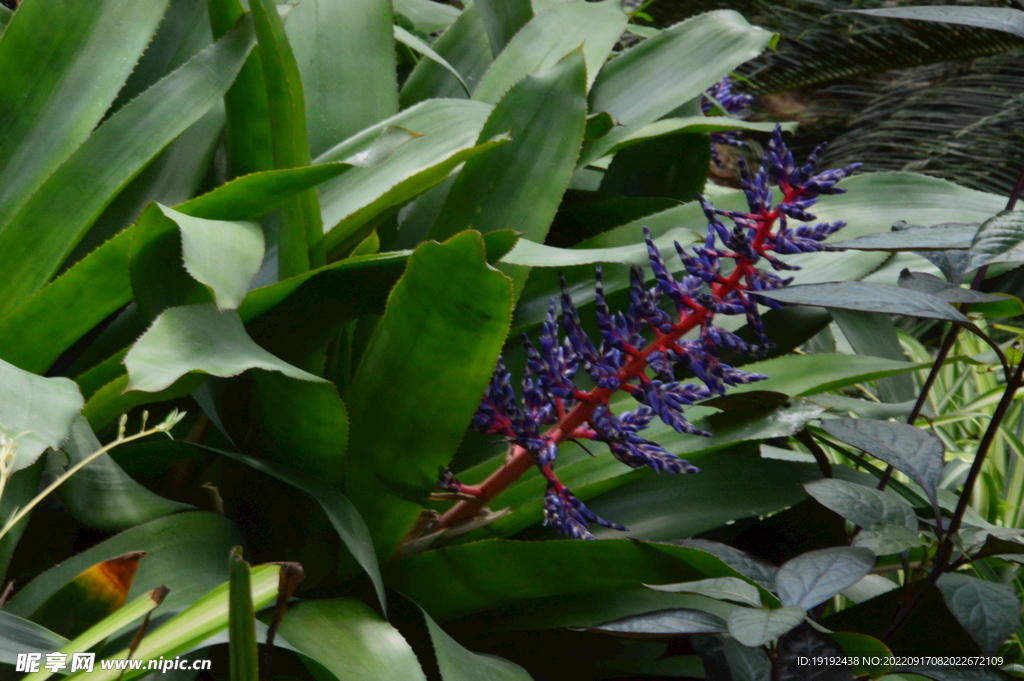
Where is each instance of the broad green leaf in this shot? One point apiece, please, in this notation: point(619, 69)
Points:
point(874, 334)
point(447, 129)
point(757, 627)
point(89, 597)
point(943, 290)
point(105, 628)
point(73, 196)
point(548, 37)
point(222, 255)
point(886, 539)
point(997, 18)
point(503, 19)
point(204, 618)
point(660, 74)
point(556, 568)
point(666, 623)
point(750, 567)
point(409, 40)
point(346, 57)
point(1000, 239)
point(533, 254)
point(343, 515)
point(862, 505)
point(864, 297)
point(347, 640)
point(816, 576)
point(300, 222)
point(243, 653)
point(37, 411)
point(989, 611)
point(693, 124)
point(19, 636)
point(519, 186)
point(722, 588)
point(55, 85)
point(184, 551)
point(459, 664)
point(465, 46)
point(427, 16)
point(198, 338)
point(947, 236)
point(449, 310)
point(101, 495)
point(913, 451)
point(812, 374)
point(723, 657)
point(156, 267)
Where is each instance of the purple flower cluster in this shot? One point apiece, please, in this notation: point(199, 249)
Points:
point(570, 377)
point(721, 93)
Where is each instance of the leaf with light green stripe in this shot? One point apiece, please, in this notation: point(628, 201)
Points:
point(107, 627)
point(442, 331)
point(345, 53)
point(56, 84)
point(660, 74)
point(205, 618)
point(519, 186)
point(37, 240)
point(300, 223)
point(548, 37)
point(243, 652)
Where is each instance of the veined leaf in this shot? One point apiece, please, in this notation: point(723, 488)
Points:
point(37, 411)
point(885, 539)
point(666, 623)
point(198, 338)
point(755, 628)
point(721, 588)
point(1000, 239)
point(73, 196)
point(548, 37)
point(730, 659)
point(89, 597)
point(990, 612)
point(816, 576)
point(944, 237)
point(449, 310)
point(943, 290)
point(864, 506)
point(194, 625)
point(55, 85)
point(1003, 19)
point(864, 297)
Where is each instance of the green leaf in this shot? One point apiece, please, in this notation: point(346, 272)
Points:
point(997, 18)
point(806, 654)
point(812, 374)
point(665, 623)
point(449, 310)
point(864, 297)
point(673, 166)
point(757, 627)
point(874, 334)
point(346, 58)
point(913, 451)
point(204, 618)
point(427, 16)
point(999, 239)
point(750, 567)
point(465, 46)
point(409, 40)
point(555, 568)
point(198, 338)
point(222, 255)
point(39, 410)
point(726, 659)
point(343, 515)
point(503, 19)
point(300, 223)
point(943, 237)
point(347, 640)
point(101, 495)
point(20, 489)
point(19, 636)
point(519, 186)
point(989, 611)
point(75, 194)
point(533, 254)
point(863, 505)
point(90, 596)
point(722, 588)
point(943, 290)
point(816, 576)
point(459, 664)
point(692, 124)
point(184, 551)
point(56, 85)
point(660, 74)
point(886, 539)
point(243, 654)
point(548, 37)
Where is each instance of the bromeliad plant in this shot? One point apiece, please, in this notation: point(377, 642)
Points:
point(640, 348)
